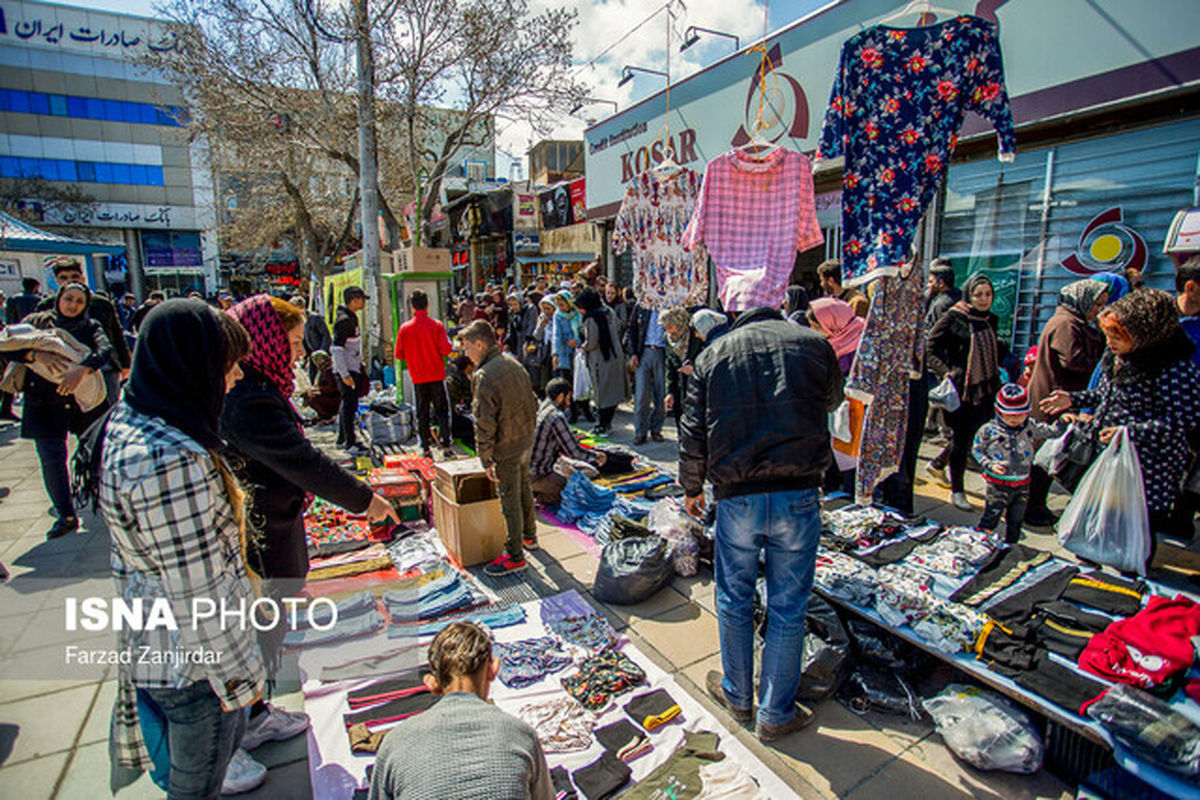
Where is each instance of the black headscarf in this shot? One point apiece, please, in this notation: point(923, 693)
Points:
point(178, 371)
point(797, 304)
point(588, 301)
point(53, 318)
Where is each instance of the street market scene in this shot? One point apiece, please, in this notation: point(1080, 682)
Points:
point(551, 399)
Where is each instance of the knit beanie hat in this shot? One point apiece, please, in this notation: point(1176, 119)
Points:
point(1012, 399)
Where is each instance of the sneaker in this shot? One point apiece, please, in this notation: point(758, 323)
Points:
point(639, 440)
point(62, 527)
point(273, 725)
point(938, 474)
point(531, 544)
point(769, 733)
point(657, 437)
point(961, 502)
point(504, 565)
point(712, 682)
point(357, 450)
point(243, 774)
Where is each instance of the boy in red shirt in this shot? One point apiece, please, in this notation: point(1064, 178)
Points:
point(423, 345)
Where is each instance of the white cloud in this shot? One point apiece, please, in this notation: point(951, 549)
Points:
point(601, 24)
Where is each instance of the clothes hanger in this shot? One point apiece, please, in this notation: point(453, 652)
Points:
point(921, 7)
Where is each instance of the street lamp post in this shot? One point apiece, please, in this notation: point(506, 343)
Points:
point(692, 35)
point(628, 70)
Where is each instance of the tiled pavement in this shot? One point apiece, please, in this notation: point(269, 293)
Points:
point(53, 731)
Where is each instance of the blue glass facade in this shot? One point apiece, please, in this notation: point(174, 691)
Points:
point(60, 169)
point(67, 105)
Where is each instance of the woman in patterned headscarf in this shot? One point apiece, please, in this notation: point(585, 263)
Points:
point(1150, 386)
point(1067, 351)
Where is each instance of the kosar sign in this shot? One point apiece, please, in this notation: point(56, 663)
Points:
point(644, 158)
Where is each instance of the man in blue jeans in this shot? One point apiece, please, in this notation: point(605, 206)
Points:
point(755, 426)
point(646, 343)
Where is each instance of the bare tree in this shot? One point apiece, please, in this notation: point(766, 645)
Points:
point(269, 84)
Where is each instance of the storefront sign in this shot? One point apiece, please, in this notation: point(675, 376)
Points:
point(1105, 245)
point(124, 215)
point(718, 108)
point(527, 208)
point(526, 242)
point(89, 31)
point(564, 205)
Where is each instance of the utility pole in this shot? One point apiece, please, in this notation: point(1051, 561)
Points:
point(368, 166)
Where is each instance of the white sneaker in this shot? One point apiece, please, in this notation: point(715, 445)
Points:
point(273, 725)
point(243, 774)
point(961, 502)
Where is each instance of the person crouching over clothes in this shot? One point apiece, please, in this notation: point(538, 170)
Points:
point(552, 438)
point(463, 747)
point(1004, 450)
point(324, 397)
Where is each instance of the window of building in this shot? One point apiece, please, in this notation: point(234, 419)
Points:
point(58, 105)
point(57, 169)
point(1109, 203)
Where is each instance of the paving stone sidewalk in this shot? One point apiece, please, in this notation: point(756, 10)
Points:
point(54, 731)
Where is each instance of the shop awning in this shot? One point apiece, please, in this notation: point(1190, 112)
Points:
point(550, 258)
point(17, 236)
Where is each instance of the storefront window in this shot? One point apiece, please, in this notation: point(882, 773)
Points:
point(1109, 204)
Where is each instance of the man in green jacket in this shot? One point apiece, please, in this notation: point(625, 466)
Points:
point(505, 410)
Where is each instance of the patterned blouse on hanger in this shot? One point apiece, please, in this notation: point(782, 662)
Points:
point(898, 100)
point(652, 219)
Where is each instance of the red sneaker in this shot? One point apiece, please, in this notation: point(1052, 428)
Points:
point(504, 565)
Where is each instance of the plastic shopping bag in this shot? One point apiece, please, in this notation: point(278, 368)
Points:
point(582, 388)
point(1106, 520)
point(839, 423)
point(1052, 455)
point(986, 730)
point(944, 395)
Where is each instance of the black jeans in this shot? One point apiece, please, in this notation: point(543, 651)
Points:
point(53, 455)
point(897, 490)
point(1006, 501)
point(965, 423)
point(346, 413)
point(432, 400)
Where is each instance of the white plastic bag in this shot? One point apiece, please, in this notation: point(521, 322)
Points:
point(944, 395)
point(582, 388)
point(1052, 455)
point(985, 730)
point(1106, 520)
point(669, 520)
point(839, 423)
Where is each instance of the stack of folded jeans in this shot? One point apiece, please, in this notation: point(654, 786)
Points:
point(444, 593)
point(492, 617)
point(581, 497)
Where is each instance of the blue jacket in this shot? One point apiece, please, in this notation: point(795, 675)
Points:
point(565, 328)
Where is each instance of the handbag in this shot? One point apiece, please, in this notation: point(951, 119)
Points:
point(945, 395)
point(1082, 443)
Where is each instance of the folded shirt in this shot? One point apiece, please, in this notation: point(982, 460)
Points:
point(391, 711)
point(344, 629)
point(624, 740)
point(602, 778)
point(385, 691)
point(653, 709)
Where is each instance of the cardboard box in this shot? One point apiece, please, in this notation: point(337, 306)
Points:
point(473, 533)
point(422, 259)
point(464, 481)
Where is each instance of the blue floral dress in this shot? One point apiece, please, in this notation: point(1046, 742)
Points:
point(898, 100)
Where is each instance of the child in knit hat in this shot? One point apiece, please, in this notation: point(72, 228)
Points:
point(1004, 449)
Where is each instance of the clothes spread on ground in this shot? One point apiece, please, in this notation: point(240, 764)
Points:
point(372, 552)
point(891, 347)
point(651, 222)
point(591, 632)
point(603, 677)
point(1150, 728)
point(1005, 569)
point(364, 741)
point(728, 780)
point(492, 617)
point(317, 550)
point(389, 662)
point(342, 630)
point(322, 614)
point(1148, 649)
point(563, 788)
point(603, 778)
point(898, 99)
point(434, 594)
point(358, 567)
point(415, 552)
point(679, 775)
point(562, 725)
point(528, 661)
point(385, 691)
point(847, 578)
point(392, 710)
point(754, 213)
point(624, 740)
point(653, 709)
point(1108, 593)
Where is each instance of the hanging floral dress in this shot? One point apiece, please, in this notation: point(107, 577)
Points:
point(898, 100)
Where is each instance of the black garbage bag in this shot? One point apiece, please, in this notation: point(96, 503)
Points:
point(825, 662)
point(880, 689)
point(873, 645)
point(632, 570)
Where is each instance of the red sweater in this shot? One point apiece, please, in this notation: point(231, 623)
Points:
point(1149, 648)
point(423, 345)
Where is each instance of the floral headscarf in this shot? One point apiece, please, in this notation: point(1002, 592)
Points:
point(270, 350)
point(1080, 296)
point(679, 319)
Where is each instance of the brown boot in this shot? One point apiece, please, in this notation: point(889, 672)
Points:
point(769, 733)
point(712, 682)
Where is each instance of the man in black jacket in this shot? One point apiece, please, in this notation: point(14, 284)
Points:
point(346, 351)
point(940, 295)
point(755, 426)
point(646, 343)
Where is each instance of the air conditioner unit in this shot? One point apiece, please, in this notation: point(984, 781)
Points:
point(475, 170)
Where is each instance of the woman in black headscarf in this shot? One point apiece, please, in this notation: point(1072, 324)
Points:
point(177, 524)
point(51, 410)
point(796, 306)
point(605, 358)
point(963, 345)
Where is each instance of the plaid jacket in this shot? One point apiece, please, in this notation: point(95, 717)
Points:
point(174, 537)
point(552, 438)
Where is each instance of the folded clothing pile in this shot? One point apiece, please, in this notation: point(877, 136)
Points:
point(432, 595)
point(847, 578)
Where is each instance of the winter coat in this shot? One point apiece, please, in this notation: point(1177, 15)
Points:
point(504, 407)
point(50, 415)
point(608, 375)
point(949, 346)
point(1068, 351)
point(937, 306)
point(757, 407)
point(1155, 393)
point(316, 335)
point(101, 309)
point(277, 465)
point(565, 329)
